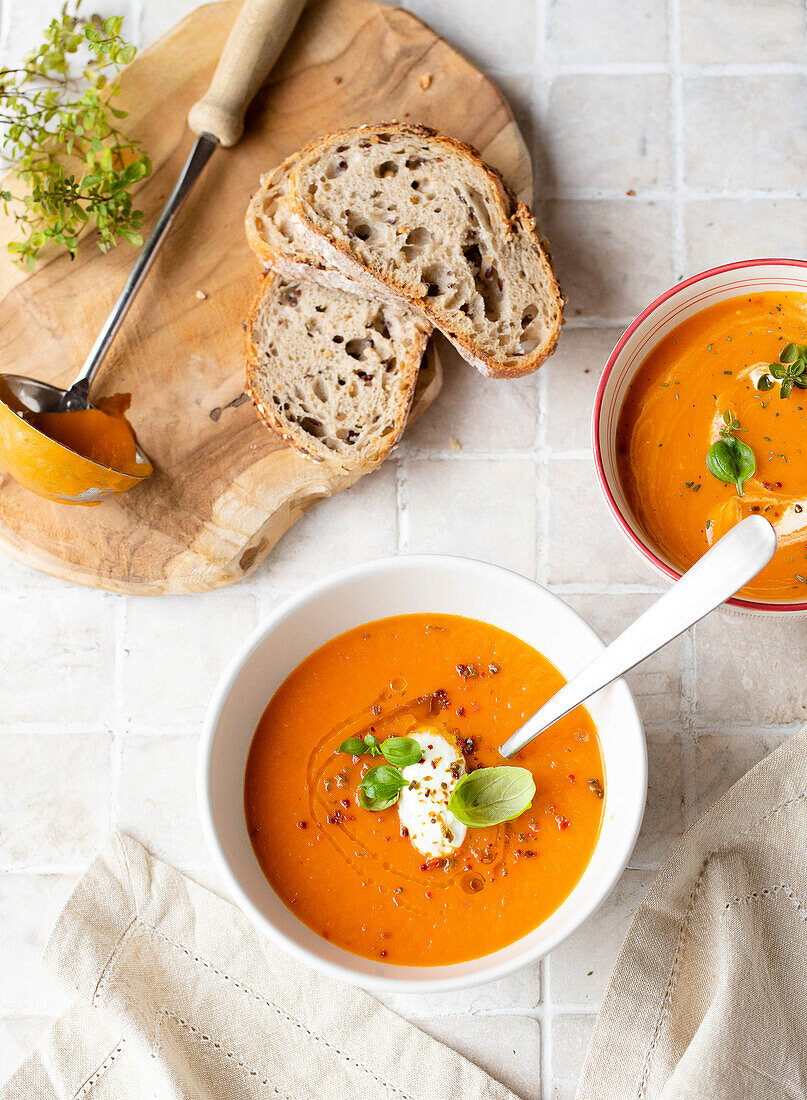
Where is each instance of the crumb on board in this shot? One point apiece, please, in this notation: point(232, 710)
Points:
point(337, 80)
point(200, 294)
point(454, 444)
point(631, 192)
point(425, 81)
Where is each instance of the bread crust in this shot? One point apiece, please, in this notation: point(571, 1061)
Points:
point(338, 254)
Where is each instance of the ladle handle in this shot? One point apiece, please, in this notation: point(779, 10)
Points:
point(260, 32)
point(723, 570)
point(255, 42)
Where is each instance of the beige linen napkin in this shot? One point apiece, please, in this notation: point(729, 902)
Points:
point(708, 999)
point(178, 998)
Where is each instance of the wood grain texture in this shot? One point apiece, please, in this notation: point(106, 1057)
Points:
point(225, 488)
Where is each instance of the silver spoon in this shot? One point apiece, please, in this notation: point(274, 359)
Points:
point(723, 570)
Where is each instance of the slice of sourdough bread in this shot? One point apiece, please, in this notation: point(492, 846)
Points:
point(403, 207)
point(331, 372)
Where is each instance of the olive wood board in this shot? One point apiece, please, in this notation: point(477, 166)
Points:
point(225, 488)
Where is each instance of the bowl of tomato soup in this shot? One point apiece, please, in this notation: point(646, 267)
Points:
point(700, 419)
point(354, 797)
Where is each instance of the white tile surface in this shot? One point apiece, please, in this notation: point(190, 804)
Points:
point(581, 108)
point(465, 506)
point(101, 697)
point(506, 1047)
point(583, 33)
point(54, 797)
point(742, 31)
point(612, 257)
point(579, 969)
point(173, 651)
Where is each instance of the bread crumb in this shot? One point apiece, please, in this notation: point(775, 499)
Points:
point(631, 192)
point(337, 80)
point(454, 444)
point(200, 294)
point(425, 81)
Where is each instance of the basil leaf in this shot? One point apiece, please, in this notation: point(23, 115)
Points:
point(372, 745)
point(354, 746)
point(402, 751)
point(788, 353)
point(380, 787)
point(731, 461)
point(489, 796)
point(376, 804)
point(764, 383)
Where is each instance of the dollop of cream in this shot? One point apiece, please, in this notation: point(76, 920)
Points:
point(423, 803)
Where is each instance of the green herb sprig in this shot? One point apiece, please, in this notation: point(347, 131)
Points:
point(729, 459)
point(400, 751)
point(789, 371)
point(74, 166)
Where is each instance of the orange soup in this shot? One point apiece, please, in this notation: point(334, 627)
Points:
point(101, 434)
point(354, 875)
point(713, 381)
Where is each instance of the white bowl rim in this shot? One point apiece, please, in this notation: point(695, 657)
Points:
point(639, 545)
point(372, 982)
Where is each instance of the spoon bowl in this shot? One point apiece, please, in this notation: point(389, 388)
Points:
point(42, 465)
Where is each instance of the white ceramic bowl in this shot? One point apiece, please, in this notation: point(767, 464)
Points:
point(668, 311)
point(396, 586)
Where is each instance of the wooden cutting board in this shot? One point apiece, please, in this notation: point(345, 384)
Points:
point(225, 488)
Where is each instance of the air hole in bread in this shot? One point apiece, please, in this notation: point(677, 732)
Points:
point(413, 162)
point(436, 278)
point(416, 241)
point(320, 390)
point(347, 435)
point(357, 347)
point(335, 168)
point(386, 168)
point(339, 339)
point(290, 295)
point(320, 309)
point(312, 426)
point(379, 325)
point(363, 231)
point(415, 184)
point(529, 315)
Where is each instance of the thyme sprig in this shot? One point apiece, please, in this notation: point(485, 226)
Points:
point(74, 165)
point(788, 372)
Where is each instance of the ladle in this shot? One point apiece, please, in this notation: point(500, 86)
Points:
point(51, 469)
point(723, 570)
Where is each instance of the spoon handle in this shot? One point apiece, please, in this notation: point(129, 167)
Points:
point(724, 569)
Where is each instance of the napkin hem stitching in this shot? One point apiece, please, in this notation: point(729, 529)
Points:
point(98, 1073)
point(684, 928)
point(109, 965)
point(764, 894)
point(215, 1044)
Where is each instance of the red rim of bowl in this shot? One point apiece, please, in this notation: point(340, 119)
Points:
point(627, 530)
